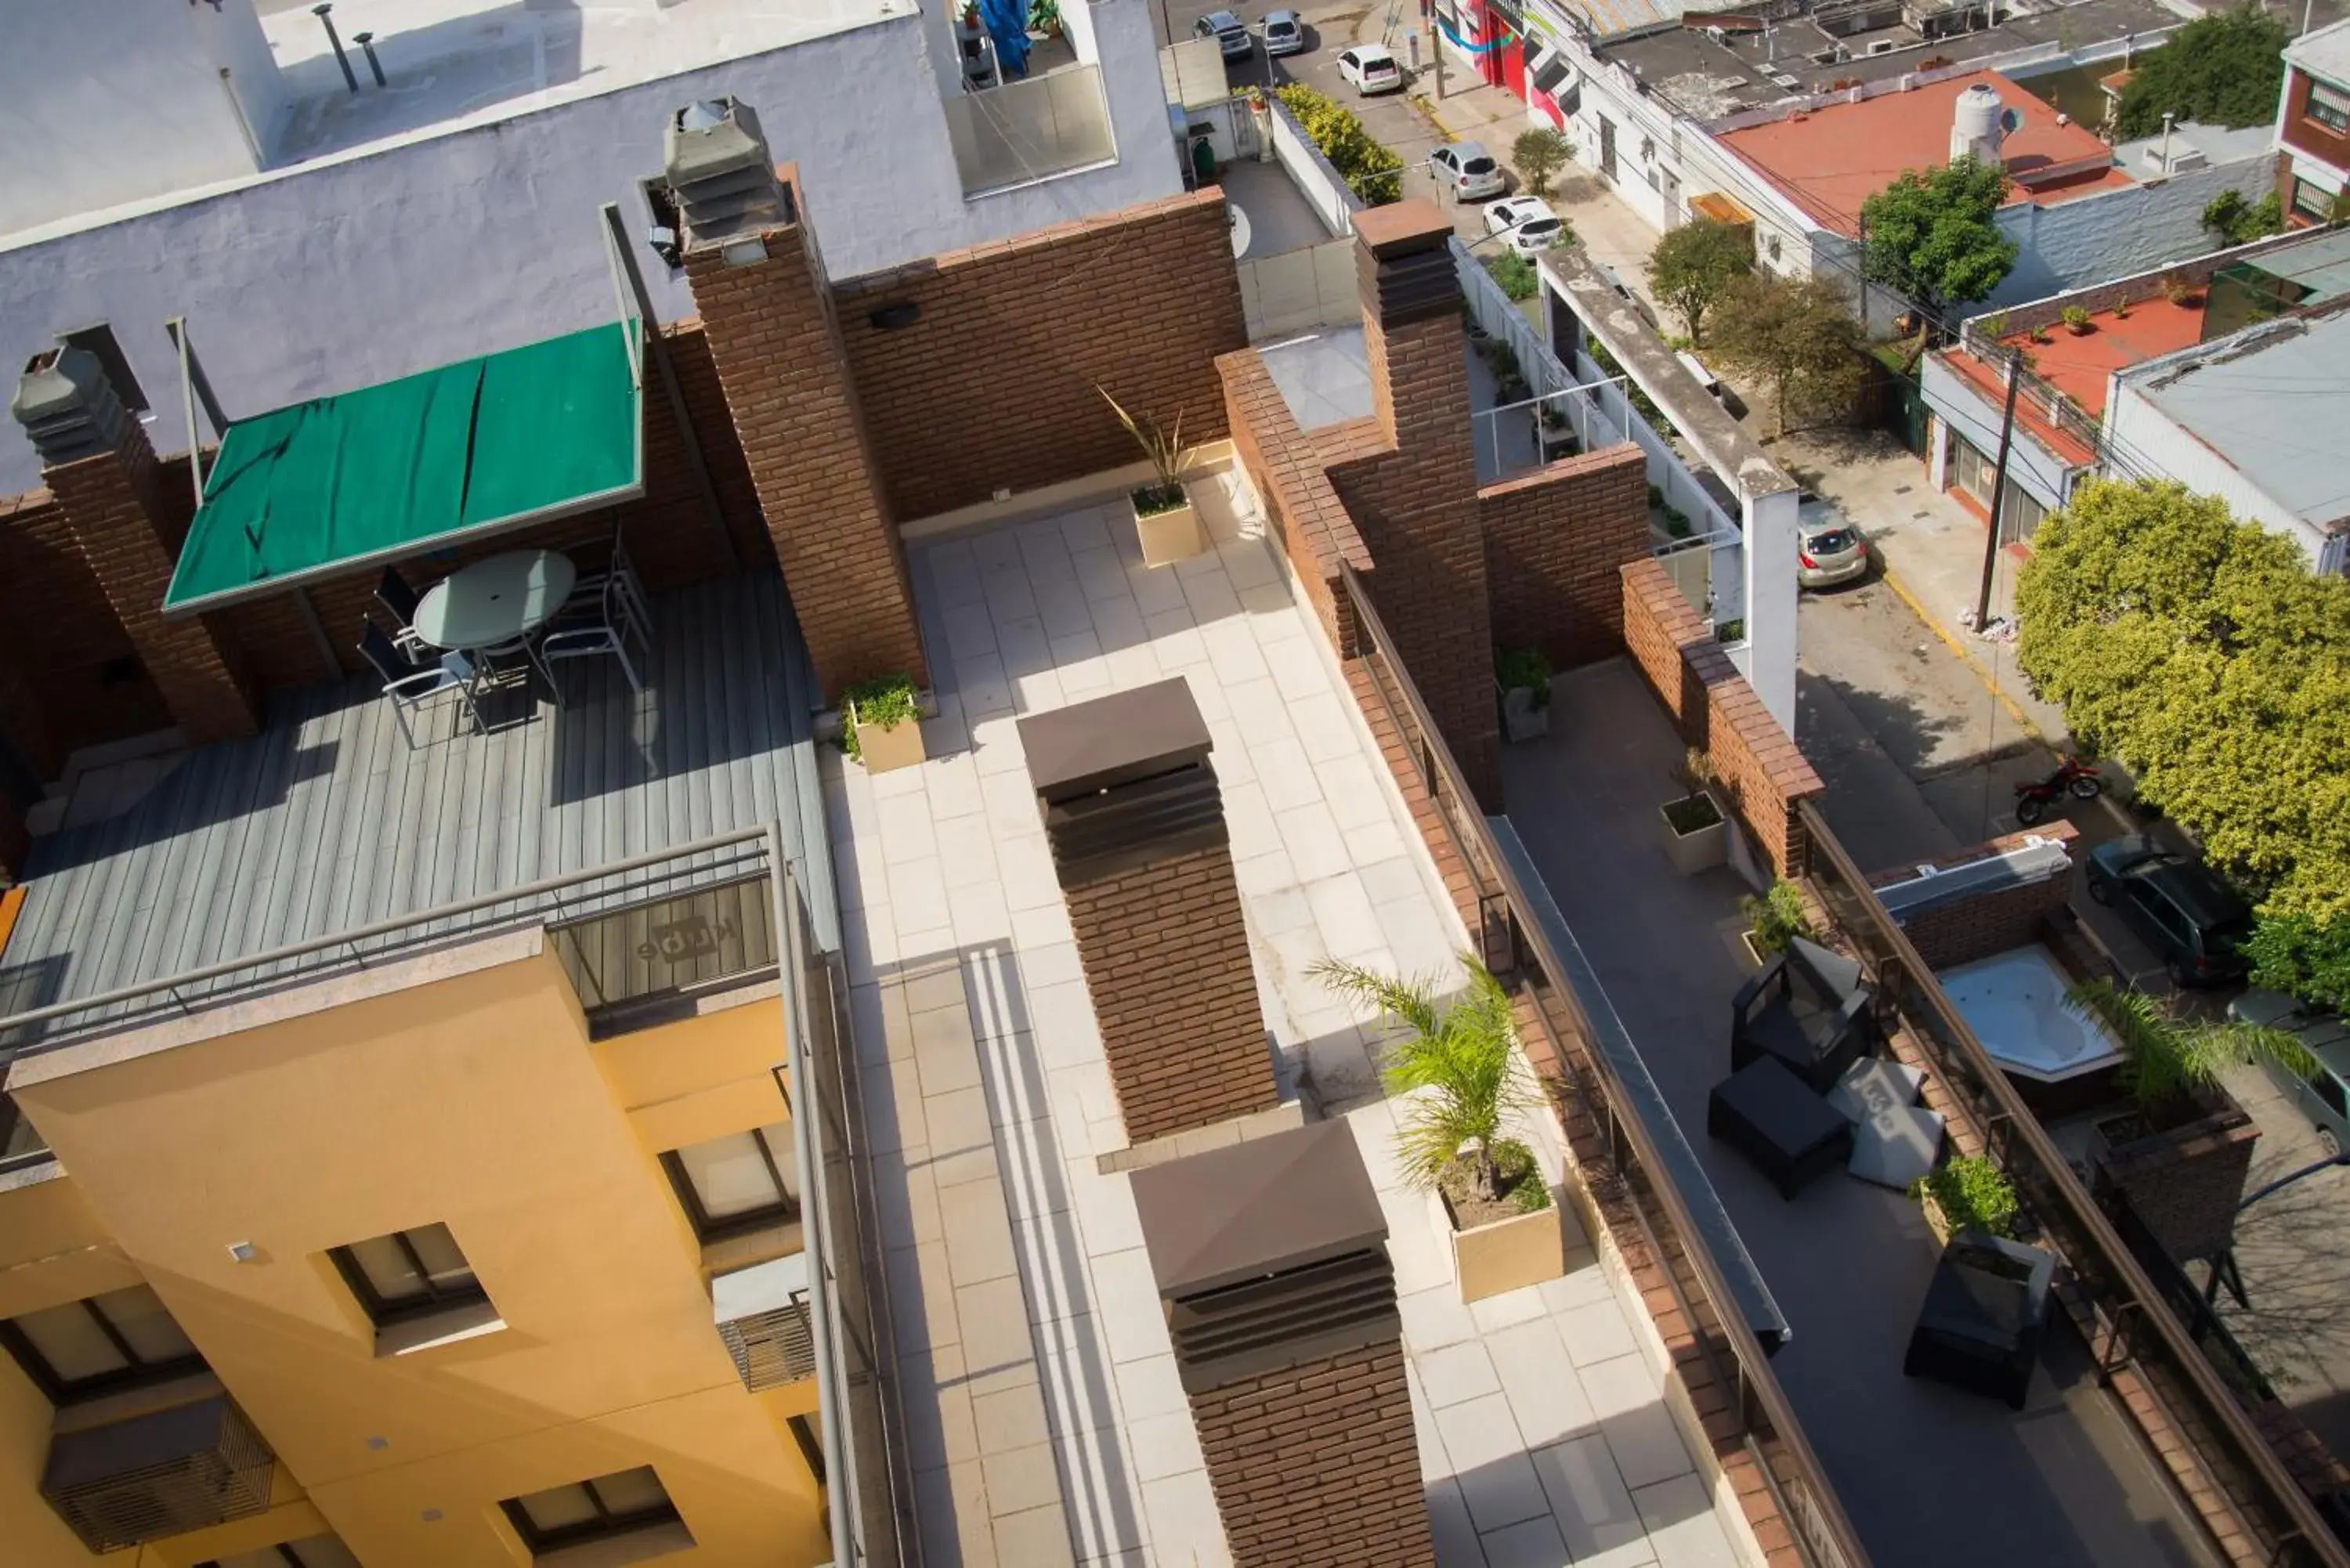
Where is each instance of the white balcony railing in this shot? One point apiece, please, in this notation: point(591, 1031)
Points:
point(1031, 130)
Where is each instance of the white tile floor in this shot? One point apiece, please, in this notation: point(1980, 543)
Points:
point(1046, 1421)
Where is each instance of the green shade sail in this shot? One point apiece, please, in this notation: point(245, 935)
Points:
point(414, 465)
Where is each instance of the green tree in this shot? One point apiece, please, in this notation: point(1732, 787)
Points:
point(2204, 653)
point(1371, 168)
point(2222, 68)
point(1539, 153)
point(1796, 336)
point(2303, 956)
point(1931, 234)
point(2238, 222)
point(1459, 1060)
point(1696, 264)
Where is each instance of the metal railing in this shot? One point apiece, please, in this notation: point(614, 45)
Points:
point(2136, 1328)
point(1632, 1174)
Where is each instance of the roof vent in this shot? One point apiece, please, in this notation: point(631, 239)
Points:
point(66, 406)
point(718, 164)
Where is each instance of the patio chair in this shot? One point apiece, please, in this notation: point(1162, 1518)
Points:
point(394, 595)
point(614, 568)
point(410, 683)
point(602, 626)
point(1808, 1009)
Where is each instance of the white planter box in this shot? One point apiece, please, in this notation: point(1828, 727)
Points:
point(1692, 853)
point(881, 749)
point(1520, 720)
point(1510, 1254)
point(1173, 535)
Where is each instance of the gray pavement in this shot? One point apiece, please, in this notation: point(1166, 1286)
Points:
point(1929, 1476)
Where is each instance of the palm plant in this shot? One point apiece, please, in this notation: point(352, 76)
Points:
point(1164, 447)
point(2170, 1063)
point(1459, 1058)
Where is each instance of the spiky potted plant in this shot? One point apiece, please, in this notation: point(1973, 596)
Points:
point(880, 724)
point(1164, 518)
point(1697, 837)
point(2180, 1147)
point(1454, 1066)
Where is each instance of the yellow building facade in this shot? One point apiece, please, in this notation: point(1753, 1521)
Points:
point(448, 1255)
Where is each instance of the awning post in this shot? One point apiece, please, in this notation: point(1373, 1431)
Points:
point(658, 346)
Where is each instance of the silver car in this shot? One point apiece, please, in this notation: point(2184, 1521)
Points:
point(1828, 551)
point(1467, 171)
point(1232, 34)
point(1284, 34)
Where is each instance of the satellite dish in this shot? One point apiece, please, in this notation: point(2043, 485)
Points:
point(2010, 120)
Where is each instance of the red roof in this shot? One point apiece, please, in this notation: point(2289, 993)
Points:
point(1828, 161)
point(2080, 365)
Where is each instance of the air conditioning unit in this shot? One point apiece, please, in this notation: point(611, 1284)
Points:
point(762, 1315)
point(1787, 80)
point(1883, 46)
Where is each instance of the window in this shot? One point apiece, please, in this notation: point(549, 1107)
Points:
point(408, 1274)
point(2330, 106)
point(811, 1442)
point(317, 1552)
point(743, 1181)
point(2313, 202)
point(122, 1339)
point(100, 340)
point(616, 1504)
point(2328, 1087)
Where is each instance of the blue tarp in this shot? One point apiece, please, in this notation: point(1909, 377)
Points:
point(1007, 24)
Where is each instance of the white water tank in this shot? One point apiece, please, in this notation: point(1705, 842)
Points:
point(1978, 125)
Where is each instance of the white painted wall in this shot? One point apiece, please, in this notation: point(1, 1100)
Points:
point(2030, 465)
point(105, 101)
point(2094, 239)
point(345, 272)
point(2136, 425)
point(1772, 595)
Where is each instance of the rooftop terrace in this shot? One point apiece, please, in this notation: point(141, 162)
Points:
point(1037, 1369)
point(326, 821)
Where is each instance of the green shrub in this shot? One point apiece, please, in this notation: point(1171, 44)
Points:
point(1972, 1194)
point(1370, 168)
point(1516, 666)
point(1777, 916)
point(885, 699)
point(1513, 273)
point(1521, 1178)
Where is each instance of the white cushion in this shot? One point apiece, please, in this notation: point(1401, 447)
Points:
point(1896, 1146)
point(1872, 1085)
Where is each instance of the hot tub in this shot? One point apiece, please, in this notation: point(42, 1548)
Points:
point(2014, 1001)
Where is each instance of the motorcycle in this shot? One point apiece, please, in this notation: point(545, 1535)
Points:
point(2073, 777)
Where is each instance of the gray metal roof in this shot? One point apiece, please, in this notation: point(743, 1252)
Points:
point(2324, 53)
point(2273, 400)
point(325, 821)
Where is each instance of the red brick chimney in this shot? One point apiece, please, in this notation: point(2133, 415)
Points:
point(99, 466)
point(1137, 827)
point(1416, 503)
point(767, 315)
point(1272, 1265)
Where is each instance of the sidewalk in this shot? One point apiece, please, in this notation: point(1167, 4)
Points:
point(1931, 552)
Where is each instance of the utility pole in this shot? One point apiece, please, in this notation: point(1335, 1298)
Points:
point(1998, 488)
point(1435, 42)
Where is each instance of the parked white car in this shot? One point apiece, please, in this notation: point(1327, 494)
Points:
point(1525, 224)
point(1467, 171)
point(1372, 68)
point(1232, 34)
point(1828, 551)
point(1284, 34)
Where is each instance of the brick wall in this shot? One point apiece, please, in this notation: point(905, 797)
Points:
point(1554, 540)
point(1981, 924)
point(2186, 1182)
point(775, 340)
point(128, 524)
point(1166, 958)
point(994, 386)
point(1761, 772)
point(73, 678)
point(1308, 518)
point(1315, 1466)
